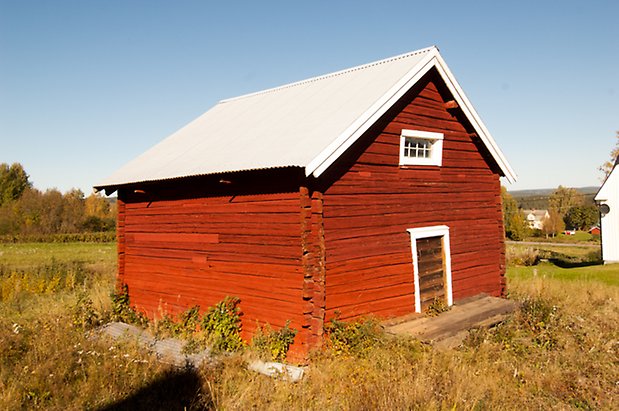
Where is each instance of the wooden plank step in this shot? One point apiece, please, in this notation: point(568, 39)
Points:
point(452, 326)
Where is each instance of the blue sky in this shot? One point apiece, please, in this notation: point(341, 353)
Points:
point(85, 86)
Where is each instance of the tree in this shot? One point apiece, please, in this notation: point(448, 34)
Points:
point(518, 227)
point(514, 222)
point(564, 198)
point(607, 167)
point(73, 211)
point(582, 217)
point(510, 207)
point(35, 212)
point(97, 206)
point(13, 182)
point(553, 224)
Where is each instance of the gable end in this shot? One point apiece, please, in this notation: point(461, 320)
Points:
point(432, 60)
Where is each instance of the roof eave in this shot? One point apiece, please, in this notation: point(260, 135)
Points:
point(112, 187)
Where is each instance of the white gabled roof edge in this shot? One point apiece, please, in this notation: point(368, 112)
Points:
point(603, 193)
point(433, 59)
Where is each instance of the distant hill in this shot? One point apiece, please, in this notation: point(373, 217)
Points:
point(548, 191)
point(538, 198)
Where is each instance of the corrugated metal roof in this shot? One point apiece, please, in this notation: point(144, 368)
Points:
point(306, 124)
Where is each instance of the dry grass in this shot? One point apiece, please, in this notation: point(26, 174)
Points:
point(47, 359)
point(560, 350)
point(525, 256)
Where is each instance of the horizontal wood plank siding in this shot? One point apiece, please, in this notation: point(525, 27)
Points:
point(369, 207)
point(179, 252)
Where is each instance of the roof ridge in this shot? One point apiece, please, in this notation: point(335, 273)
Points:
point(329, 75)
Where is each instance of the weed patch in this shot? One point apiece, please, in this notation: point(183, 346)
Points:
point(46, 279)
point(219, 328)
point(356, 337)
point(273, 344)
point(525, 256)
point(122, 310)
point(438, 306)
point(223, 325)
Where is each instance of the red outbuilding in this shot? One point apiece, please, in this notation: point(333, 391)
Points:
point(373, 190)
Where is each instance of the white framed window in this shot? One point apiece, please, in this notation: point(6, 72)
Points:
point(442, 232)
point(423, 148)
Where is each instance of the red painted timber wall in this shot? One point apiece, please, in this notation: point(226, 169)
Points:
point(368, 208)
point(179, 251)
point(293, 249)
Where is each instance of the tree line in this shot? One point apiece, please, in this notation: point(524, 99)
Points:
point(566, 209)
point(25, 210)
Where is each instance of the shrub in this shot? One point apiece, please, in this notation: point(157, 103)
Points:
point(355, 337)
point(188, 321)
point(121, 308)
point(521, 256)
point(186, 326)
point(85, 316)
point(536, 232)
point(594, 256)
point(223, 325)
point(100, 237)
point(569, 260)
point(94, 224)
point(273, 344)
point(163, 327)
point(219, 328)
point(438, 306)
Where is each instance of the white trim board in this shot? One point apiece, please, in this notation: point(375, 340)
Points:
point(436, 150)
point(425, 232)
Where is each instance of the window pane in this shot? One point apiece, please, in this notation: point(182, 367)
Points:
point(417, 148)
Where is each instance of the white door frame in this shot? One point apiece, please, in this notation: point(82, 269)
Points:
point(425, 232)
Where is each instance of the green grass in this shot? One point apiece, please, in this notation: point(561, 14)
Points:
point(580, 237)
point(605, 274)
point(24, 255)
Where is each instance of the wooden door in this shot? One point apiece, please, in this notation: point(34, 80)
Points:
point(431, 270)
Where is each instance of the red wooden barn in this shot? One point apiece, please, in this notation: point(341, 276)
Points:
point(372, 190)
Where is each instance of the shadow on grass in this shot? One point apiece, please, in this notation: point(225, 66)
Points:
point(572, 264)
point(179, 390)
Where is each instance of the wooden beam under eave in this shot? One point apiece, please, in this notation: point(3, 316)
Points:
point(451, 104)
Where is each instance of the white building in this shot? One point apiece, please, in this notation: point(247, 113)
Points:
point(608, 200)
point(535, 218)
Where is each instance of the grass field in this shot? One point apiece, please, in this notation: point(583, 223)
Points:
point(21, 255)
point(582, 237)
point(560, 350)
point(603, 274)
